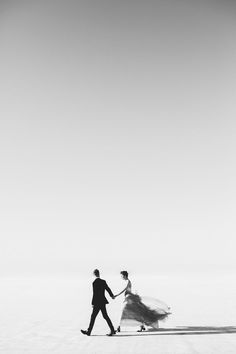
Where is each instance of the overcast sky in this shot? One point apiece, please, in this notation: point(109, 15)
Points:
point(117, 135)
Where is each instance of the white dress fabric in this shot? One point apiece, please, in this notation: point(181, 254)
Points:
point(141, 310)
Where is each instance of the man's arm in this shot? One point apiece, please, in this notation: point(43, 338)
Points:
point(109, 291)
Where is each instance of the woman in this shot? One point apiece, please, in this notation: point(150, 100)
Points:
point(140, 310)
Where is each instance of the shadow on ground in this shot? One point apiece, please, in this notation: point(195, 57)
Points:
point(180, 331)
point(193, 330)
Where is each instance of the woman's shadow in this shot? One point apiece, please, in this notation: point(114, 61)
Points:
point(188, 330)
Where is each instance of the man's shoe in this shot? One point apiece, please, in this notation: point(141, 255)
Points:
point(85, 332)
point(112, 333)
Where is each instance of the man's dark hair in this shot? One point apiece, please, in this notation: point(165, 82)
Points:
point(96, 273)
point(124, 273)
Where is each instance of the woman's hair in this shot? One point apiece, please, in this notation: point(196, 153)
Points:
point(124, 273)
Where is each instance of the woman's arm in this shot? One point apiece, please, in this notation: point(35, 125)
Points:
point(123, 290)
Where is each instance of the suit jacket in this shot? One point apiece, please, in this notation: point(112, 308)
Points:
point(99, 287)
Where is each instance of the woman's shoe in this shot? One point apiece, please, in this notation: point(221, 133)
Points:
point(118, 329)
point(142, 328)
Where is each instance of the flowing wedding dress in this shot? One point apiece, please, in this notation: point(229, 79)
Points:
point(141, 310)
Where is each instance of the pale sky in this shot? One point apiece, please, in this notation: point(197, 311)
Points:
point(117, 135)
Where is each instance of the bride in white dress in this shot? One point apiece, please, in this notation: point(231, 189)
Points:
point(139, 310)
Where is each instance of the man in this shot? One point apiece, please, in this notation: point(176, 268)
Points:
point(99, 302)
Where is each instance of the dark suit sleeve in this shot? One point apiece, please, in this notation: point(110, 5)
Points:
point(109, 290)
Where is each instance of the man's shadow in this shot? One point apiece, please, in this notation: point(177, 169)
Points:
point(180, 331)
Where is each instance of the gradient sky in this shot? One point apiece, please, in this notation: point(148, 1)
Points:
point(117, 135)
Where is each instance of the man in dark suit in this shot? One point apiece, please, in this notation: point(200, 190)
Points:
point(99, 302)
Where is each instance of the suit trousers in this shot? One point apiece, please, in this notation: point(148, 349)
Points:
point(96, 309)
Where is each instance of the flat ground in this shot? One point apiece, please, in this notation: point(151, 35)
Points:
point(45, 315)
